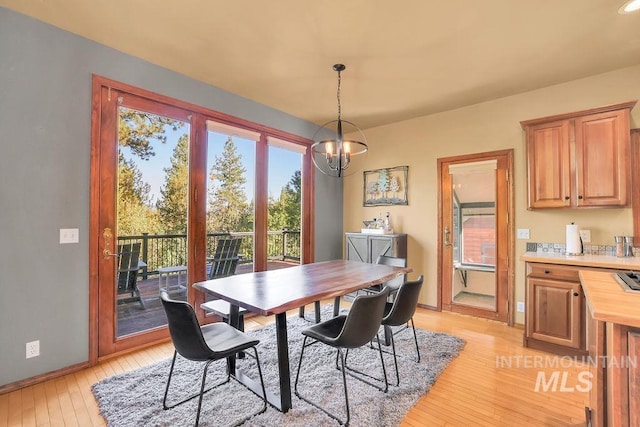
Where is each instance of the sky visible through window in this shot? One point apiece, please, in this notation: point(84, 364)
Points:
point(282, 163)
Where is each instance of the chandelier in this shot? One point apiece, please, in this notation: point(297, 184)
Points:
point(332, 154)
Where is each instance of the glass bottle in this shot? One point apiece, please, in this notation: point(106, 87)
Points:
point(619, 245)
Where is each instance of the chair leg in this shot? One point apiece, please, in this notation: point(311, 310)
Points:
point(395, 359)
point(359, 378)
point(202, 392)
point(264, 392)
point(336, 306)
point(166, 391)
point(415, 338)
point(344, 382)
point(137, 292)
point(384, 369)
point(295, 384)
point(204, 379)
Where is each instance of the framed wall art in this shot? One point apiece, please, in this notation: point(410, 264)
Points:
point(384, 187)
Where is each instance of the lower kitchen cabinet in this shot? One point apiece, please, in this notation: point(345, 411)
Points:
point(555, 317)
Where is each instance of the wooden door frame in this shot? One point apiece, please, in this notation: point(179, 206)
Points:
point(106, 89)
point(506, 248)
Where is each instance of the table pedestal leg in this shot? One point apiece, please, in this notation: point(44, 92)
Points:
point(283, 361)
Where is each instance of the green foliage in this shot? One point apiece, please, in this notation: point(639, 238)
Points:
point(136, 129)
point(285, 212)
point(172, 207)
point(135, 215)
point(228, 206)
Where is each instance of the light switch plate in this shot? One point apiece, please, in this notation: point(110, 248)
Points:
point(585, 235)
point(520, 307)
point(523, 233)
point(69, 235)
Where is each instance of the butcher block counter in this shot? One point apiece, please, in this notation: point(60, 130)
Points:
point(607, 301)
point(613, 328)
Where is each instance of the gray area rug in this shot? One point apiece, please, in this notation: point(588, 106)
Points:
point(135, 398)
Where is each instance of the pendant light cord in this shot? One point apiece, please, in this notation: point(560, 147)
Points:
point(338, 96)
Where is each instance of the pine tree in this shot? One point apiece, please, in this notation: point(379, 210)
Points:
point(228, 207)
point(173, 205)
point(293, 198)
point(136, 130)
point(135, 214)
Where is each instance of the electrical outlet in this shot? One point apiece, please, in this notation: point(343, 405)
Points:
point(33, 349)
point(69, 235)
point(585, 235)
point(523, 233)
point(520, 307)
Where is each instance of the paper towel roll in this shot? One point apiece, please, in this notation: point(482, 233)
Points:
point(574, 244)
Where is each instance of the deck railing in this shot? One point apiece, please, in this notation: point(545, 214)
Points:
point(163, 250)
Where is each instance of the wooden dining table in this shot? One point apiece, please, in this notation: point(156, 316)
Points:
point(274, 292)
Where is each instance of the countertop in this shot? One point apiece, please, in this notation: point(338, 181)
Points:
point(587, 260)
point(607, 301)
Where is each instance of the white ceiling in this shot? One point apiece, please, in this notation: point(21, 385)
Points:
point(404, 58)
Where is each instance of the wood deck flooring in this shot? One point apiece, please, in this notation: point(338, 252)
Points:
point(477, 388)
point(132, 318)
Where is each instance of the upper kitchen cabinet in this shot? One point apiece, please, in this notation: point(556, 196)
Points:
point(579, 159)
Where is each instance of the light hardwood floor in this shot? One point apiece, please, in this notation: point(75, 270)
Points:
point(477, 388)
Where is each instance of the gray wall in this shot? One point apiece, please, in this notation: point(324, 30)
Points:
point(45, 122)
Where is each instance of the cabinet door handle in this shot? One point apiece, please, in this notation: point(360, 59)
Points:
point(580, 197)
point(566, 197)
point(575, 294)
point(547, 272)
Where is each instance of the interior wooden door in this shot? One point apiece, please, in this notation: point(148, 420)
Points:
point(493, 256)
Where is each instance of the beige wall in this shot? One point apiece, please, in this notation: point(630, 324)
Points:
point(493, 125)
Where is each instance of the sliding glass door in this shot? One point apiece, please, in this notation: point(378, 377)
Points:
point(179, 195)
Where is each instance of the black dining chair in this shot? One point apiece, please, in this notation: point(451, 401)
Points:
point(208, 343)
point(400, 312)
point(353, 330)
point(392, 284)
point(395, 283)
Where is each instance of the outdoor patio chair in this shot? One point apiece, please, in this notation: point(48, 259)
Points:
point(349, 331)
point(208, 343)
point(225, 259)
point(128, 267)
